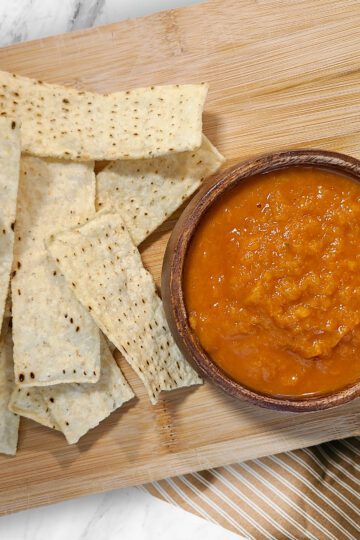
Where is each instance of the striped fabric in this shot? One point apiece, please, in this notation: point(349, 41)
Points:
point(309, 494)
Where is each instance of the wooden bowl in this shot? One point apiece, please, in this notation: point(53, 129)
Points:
point(173, 266)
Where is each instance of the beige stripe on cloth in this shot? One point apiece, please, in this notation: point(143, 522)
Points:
point(309, 494)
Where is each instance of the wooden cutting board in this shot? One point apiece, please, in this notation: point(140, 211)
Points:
point(282, 75)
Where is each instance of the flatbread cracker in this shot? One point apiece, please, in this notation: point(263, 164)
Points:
point(9, 422)
point(62, 122)
point(74, 409)
point(9, 181)
point(105, 271)
point(145, 192)
point(55, 339)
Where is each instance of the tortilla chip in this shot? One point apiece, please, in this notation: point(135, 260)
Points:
point(9, 181)
point(145, 192)
point(78, 408)
point(62, 122)
point(8, 305)
point(55, 339)
point(105, 271)
point(74, 409)
point(9, 422)
point(30, 403)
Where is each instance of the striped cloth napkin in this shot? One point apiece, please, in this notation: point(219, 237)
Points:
point(308, 494)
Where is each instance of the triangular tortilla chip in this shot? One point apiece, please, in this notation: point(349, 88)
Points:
point(74, 409)
point(62, 122)
point(106, 273)
point(146, 192)
point(9, 181)
point(9, 422)
point(55, 339)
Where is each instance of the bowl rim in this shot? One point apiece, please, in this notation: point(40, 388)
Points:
point(173, 267)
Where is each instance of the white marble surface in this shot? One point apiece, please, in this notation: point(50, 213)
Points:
point(127, 514)
point(22, 20)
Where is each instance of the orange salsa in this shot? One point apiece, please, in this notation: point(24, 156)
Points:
point(272, 282)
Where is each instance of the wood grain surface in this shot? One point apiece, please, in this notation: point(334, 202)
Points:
point(282, 75)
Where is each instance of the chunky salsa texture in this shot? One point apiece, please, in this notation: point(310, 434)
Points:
point(272, 282)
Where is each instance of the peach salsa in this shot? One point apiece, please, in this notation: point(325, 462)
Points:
point(272, 282)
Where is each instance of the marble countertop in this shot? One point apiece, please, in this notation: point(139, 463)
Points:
point(22, 20)
point(128, 513)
